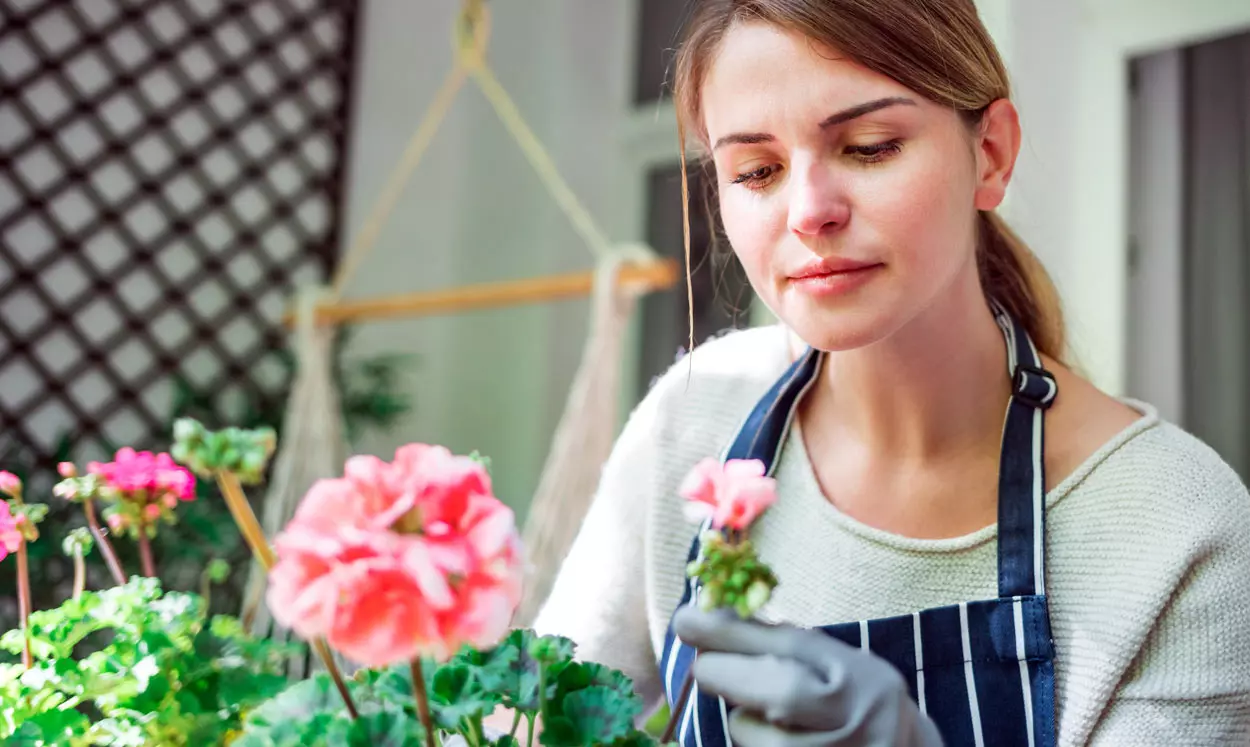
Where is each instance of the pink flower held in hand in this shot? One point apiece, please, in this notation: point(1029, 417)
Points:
point(733, 494)
point(10, 535)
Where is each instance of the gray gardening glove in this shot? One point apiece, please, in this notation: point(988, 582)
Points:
point(800, 688)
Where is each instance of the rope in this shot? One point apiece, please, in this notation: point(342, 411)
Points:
point(471, 34)
point(541, 160)
point(398, 179)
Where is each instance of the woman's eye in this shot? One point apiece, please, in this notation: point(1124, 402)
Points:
point(755, 177)
point(874, 153)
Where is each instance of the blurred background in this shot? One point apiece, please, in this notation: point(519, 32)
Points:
point(172, 171)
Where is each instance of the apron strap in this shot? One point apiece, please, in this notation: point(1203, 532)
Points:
point(1022, 475)
point(763, 434)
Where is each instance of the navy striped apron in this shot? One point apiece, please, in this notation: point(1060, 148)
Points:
point(982, 670)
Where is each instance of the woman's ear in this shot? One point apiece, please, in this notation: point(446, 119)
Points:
point(997, 145)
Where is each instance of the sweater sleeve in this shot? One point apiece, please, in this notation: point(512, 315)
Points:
point(1190, 682)
point(598, 599)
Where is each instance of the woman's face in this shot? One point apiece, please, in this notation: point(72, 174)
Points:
point(850, 200)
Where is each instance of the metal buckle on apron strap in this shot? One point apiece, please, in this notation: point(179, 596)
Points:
point(1034, 386)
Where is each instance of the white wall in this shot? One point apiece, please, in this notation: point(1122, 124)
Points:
point(1068, 60)
point(474, 211)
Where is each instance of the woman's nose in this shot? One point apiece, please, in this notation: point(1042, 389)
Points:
point(818, 203)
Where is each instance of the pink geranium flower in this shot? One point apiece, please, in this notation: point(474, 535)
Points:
point(142, 474)
point(732, 494)
point(10, 535)
point(399, 559)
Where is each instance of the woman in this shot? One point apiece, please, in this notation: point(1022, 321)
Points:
point(1079, 575)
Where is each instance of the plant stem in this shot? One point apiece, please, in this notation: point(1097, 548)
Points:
point(145, 551)
point(249, 527)
point(102, 542)
point(23, 602)
point(679, 705)
point(80, 572)
point(323, 651)
point(423, 700)
point(529, 720)
point(542, 698)
point(516, 721)
point(245, 518)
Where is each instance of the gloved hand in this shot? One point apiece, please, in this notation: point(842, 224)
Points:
point(800, 688)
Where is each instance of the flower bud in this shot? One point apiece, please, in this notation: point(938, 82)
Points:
point(67, 469)
point(252, 464)
point(187, 431)
point(267, 439)
point(758, 595)
point(230, 459)
point(217, 570)
point(10, 484)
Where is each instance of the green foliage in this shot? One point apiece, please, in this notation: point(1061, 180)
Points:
point(732, 575)
point(161, 672)
point(580, 704)
point(243, 451)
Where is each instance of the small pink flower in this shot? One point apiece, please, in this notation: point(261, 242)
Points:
point(116, 522)
point(10, 484)
point(152, 511)
point(67, 469)
point(10, 535)
point(170, 500)
point(142, 474)
point(733, 494)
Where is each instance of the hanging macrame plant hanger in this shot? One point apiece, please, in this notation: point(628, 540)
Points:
point(314, 445)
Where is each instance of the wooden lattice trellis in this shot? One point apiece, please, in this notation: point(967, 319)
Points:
point(170, 170)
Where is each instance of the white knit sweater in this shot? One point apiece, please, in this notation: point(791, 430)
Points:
point(1148, 560)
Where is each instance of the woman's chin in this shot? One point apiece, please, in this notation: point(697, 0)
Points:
point(848, 327)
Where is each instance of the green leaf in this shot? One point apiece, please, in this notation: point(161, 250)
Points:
point(301, 702)
point(594, 716)
point(579, 676)
point(394, 684)
point(510, 670)
point(52, 727)
point(637, 739)
point(551, 649)
point(387, 728)
point(457, 695)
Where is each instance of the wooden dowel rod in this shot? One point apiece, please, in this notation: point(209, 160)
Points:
point(651, 276)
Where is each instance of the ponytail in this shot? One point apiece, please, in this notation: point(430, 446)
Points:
point(1012, 275)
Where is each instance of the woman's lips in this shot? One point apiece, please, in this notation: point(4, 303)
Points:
point(833, 277)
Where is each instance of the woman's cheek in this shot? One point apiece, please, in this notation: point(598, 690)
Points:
point(755, 228)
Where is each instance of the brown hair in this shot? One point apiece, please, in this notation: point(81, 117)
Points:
point(937, 48)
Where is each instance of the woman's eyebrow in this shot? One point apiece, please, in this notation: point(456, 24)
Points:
point(842, 117)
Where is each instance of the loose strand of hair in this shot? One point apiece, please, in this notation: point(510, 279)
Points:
point(685, 235)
